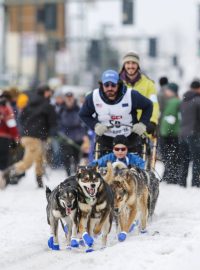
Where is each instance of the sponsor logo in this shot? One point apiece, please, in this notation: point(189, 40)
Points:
point(125, 105)
point(116, 117)
point(109, 75)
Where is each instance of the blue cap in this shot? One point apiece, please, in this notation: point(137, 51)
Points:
point(110, 76)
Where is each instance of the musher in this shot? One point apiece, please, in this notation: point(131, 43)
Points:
point(111, 110)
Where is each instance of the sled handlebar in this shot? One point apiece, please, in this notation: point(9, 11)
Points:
point(143, 136)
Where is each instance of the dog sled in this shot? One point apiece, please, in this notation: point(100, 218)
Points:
point(99, 199)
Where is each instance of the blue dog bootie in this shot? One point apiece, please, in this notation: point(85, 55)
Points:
point(122, 236)
point(135, 224)
point(81, 242)
point(143, 231)
point(55, 247)
point(52, 245)
point(50, 242)
point(89, 250)
point(88, 239)
point(74, 243)
point(66, 229)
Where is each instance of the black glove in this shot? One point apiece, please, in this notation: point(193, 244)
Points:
point(151, 128)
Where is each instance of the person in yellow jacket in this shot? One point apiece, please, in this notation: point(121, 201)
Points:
point(22, 101)
point(133, 78)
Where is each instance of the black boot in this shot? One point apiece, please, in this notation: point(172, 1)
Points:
point(11, 176)
point(39, 181)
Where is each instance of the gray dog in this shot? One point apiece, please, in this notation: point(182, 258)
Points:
point(62, 205)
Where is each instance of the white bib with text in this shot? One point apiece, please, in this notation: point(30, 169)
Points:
point(117, 117)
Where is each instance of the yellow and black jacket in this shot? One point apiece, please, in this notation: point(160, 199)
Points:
point(146, 87)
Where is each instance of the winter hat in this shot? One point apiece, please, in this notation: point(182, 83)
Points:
point(120, 139)
point(131, 56)
point(173, 87)
point(163, 81)
point(195, 84)
point(110, 76)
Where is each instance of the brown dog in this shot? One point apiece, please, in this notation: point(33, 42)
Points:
point(130, 196)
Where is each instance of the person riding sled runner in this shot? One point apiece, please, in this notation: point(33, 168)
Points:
point(134, 78)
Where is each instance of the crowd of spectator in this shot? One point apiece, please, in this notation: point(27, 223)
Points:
point(43, 126)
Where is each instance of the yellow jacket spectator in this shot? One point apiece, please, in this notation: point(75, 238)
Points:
point(22, 101)
point(132, 76)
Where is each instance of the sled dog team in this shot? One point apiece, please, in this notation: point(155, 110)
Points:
point(87, 204)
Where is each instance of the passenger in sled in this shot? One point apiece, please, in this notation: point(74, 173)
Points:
point(120, 153)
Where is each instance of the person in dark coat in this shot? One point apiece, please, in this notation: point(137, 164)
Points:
point(38, 122)
point(190, 135)
point(71, 130)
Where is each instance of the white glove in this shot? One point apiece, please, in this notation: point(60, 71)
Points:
point(139, 128)
point(100, 129)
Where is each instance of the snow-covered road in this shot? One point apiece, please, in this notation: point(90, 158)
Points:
point(172, 242)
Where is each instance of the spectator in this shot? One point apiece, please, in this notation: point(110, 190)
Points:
point(54, 157)
point(22, 101)
point(163, 82)
point(8, 131)
point(58, 100)
point(72, 131)
point(169, 131)
point(135, 79)
point(190, 135)
point(38, 121)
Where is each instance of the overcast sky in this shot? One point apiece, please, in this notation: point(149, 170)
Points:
point(164, 15)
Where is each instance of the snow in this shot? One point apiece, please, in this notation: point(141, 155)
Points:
point(172, 242)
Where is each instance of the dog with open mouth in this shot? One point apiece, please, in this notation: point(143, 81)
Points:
point(62, 204)
point(95, 200)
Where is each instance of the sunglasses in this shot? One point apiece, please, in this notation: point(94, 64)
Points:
point(120, 148)
point(110, 84)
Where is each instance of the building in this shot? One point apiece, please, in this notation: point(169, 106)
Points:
point(35, 32)
point(78, 39)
